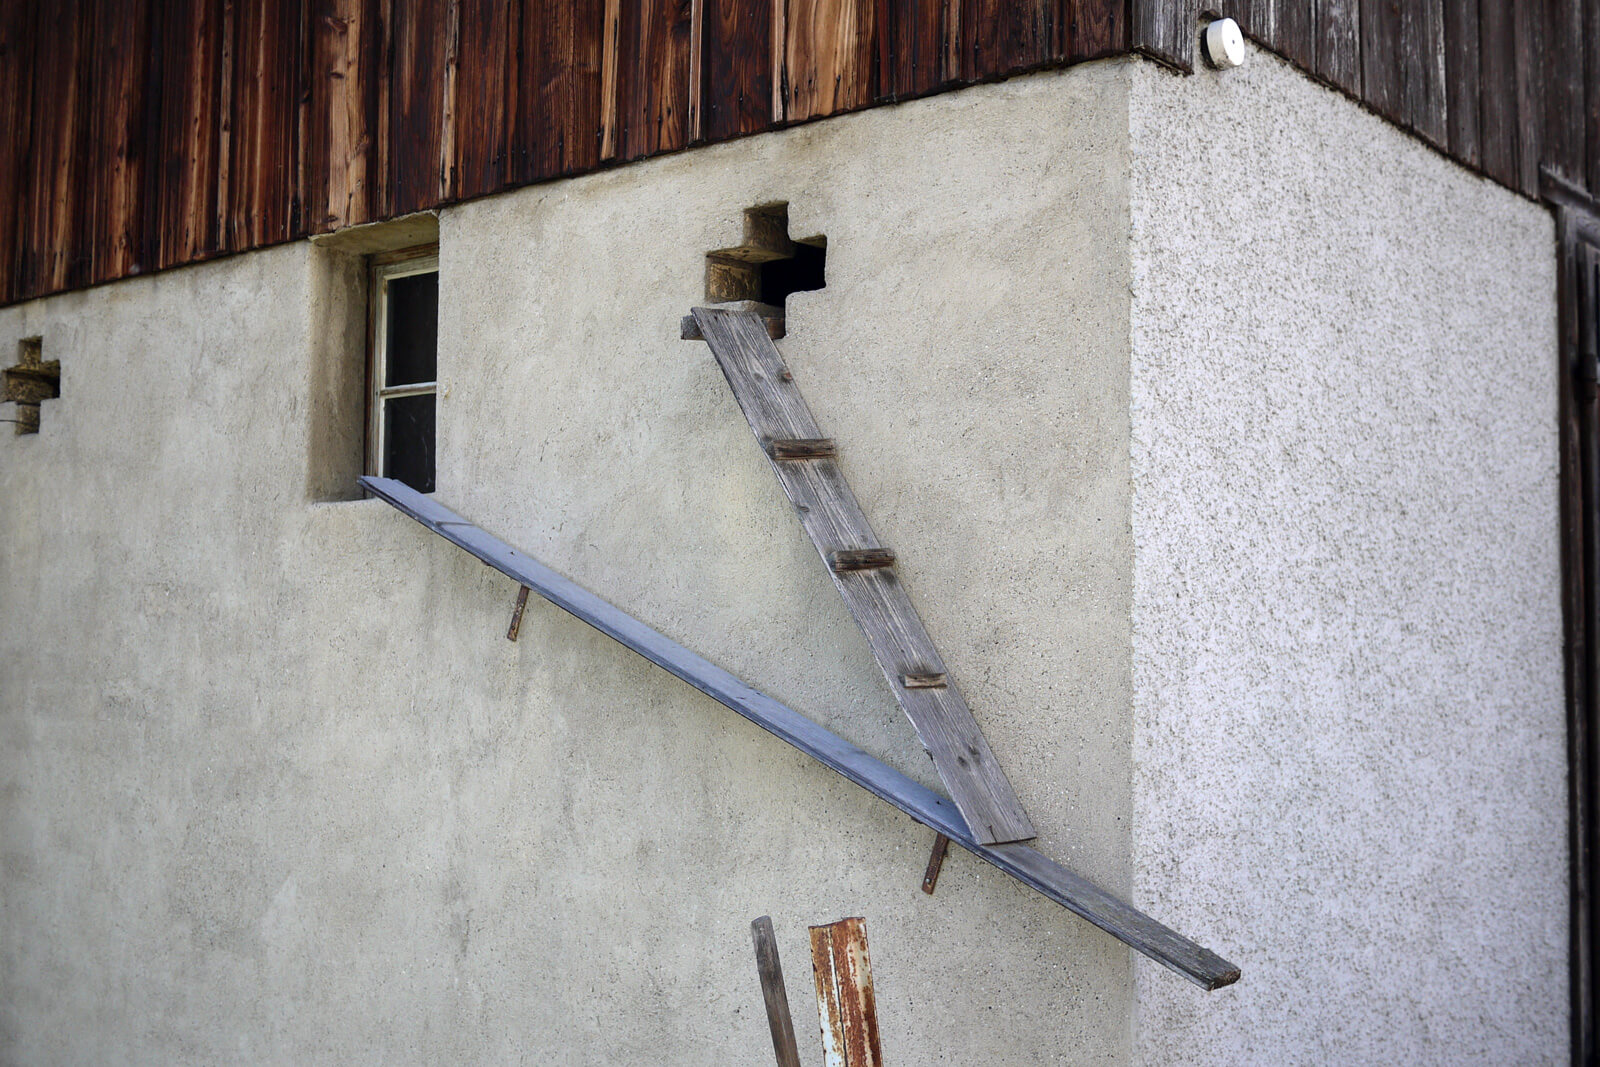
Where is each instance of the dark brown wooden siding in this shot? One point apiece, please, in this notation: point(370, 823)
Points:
point(144, 134)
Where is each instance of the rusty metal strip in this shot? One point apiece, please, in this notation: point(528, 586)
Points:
point(847, 1007)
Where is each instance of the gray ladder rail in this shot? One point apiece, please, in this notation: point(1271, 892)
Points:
point(863, 572)
point(1029, 866)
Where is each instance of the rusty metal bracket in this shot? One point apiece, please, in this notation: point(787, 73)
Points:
point(941, 845)
point(516, 614)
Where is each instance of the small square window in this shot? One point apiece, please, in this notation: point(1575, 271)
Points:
point(404, 366)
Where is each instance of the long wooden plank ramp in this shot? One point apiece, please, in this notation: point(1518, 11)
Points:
point(863, 571)
point(1030, 867)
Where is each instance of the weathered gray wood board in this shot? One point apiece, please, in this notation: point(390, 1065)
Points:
point(776, 997)
point(863, 572)
point(1078, 895)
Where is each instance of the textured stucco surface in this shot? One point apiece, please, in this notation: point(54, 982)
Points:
point(274, 788)
point(1349, 739)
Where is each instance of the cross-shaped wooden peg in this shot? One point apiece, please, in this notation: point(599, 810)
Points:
point(29, 383)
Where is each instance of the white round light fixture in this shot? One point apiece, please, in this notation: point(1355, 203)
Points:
point(1224, 44)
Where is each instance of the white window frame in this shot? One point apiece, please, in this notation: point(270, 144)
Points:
point(382, 269)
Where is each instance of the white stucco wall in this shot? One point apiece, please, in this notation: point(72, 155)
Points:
point(274, 788)
point(1349, 733)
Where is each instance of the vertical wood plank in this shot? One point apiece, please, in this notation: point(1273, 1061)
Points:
point(828, 56)
point(911, 43)
point(654, 96)
point(54, 169)
point(1092, 28)
point(1295, 35)
point(558, 91)
point(339, 148)
point(263, 166)
point(17, 52)
point(183, 223)
point(773, 993)
point(1564, 147)
point(737, 67)
point(1166, 30)
point(1591, 95)
point(1005, 36)
point(1380, 58)
point(419, 71)
point(1497, 78)
point(485, 83)
point(610, 75)
point(113, 212)
point(1422, 69)
point(1338, 33)
point(1527, 27)
point(1461, 58)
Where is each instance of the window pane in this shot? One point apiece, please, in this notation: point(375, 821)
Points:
point(408, 441)
point(411, 343)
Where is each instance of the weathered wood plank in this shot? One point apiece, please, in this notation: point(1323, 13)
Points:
point(847, 1005)
point(877, 600)
point(1166, 30)
point(1382, 80)
point(262, 158)
point(18, 51)
point(1564, 141)
point(419, 83)
point(940, 814)
point(183, 220)
point(485, 89)
point(55, 163)
point(118, 127)
point(1497, 78)
point(737, 66)
point(1338, 43)
point(654, 92)
point(828, 56)
point(559, 90)
point(911, 46)
point(1093, 28)
point(1527, 29)
point(773, 994)
point(1422, 70)
point(1462, 59)
point(1004, 36)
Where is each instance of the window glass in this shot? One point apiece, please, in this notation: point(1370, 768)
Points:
point(408, 440)
point(412, 330)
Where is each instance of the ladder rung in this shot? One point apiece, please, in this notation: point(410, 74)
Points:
point(929, 680)
point(860, 559)
point(801, 448)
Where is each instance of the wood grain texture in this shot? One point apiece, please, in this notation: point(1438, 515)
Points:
point(1091, 29)
point(847, 1004)
point(261, 203)
point(736, 63)
point(1564, 141)
point(485, 95)
point(1001, 37)
point(1497, 79)
point(117, 121)
point(940, 814)
point(877, 600)
point(1166, 30)
point(1528, 35)
point(828, 53)
point(1422, 70)
point(654, 97)
point(1461, 57)
point(1338, 43)
point(559, 115)
point(17, 36)
point(1381, 67)
point(57, 171)
point(419, 83)
point(773, 994)
point(911, 42)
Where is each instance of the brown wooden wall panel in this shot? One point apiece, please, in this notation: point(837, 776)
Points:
point(143, 134)
point(558, 128)
point(736, 68)
point(653, 76)
point(17, 37)
point(112, 218)
point(485, 95)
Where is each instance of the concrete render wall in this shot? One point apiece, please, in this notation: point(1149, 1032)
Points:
point(1349, 755)
point(274, 788)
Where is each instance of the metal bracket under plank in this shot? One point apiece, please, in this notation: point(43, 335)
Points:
point(1030, 867)
point(862, 571)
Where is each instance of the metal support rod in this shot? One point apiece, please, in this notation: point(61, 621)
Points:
point(941, 845)
point(516, 614)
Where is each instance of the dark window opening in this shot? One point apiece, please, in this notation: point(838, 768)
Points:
point(402, 430)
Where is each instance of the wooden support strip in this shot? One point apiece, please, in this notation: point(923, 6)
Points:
point(797, 448)
point(831, 517)
point(845, 560)
point(779, 1020)
point(846, 1004)
point(1030, 867)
